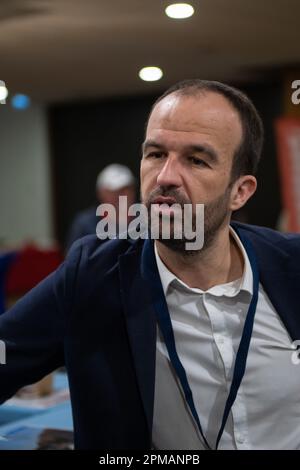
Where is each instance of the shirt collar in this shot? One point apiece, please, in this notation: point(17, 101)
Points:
point(230, 289)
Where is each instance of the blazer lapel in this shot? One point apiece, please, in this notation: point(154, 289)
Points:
point(141, 327)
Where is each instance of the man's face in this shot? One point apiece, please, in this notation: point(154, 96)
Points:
point(188, 154)
point(108, 196)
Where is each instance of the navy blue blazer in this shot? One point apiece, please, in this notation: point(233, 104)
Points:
point(95, 316)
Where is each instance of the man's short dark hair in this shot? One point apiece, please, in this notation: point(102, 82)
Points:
point(247, 155)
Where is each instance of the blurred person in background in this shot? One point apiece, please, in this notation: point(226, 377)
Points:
point(113, 181)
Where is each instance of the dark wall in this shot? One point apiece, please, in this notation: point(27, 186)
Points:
point(85, 137)
point(264, 207)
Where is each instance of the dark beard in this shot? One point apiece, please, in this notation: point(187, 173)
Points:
point(215, 215)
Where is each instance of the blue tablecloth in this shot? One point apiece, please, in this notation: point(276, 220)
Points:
point(10, 413)
point(57, 417)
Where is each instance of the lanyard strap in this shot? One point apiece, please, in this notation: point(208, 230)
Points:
point(150, 272)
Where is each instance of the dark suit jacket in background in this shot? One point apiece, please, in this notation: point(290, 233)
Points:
point(84, 223)
point(95, 315)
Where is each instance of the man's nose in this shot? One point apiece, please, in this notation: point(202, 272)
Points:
point(170, 174)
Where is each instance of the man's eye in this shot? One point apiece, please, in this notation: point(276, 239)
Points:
point(154, 155)
point(197, 161)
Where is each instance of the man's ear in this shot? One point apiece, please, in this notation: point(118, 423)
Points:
point(243, 188)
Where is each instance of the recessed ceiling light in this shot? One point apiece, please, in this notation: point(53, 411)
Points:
point(150, 74)
point(179, 10)
point(3, 91)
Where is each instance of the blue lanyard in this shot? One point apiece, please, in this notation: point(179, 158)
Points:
point(150, 272)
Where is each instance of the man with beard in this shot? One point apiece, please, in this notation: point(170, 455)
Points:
point(167, 347)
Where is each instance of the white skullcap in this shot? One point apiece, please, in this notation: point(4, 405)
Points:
point(114, 177)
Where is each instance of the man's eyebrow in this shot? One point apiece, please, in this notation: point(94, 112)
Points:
point(198, 148)
point(150, 143)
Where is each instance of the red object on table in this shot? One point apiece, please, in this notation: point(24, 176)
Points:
point(32, 265)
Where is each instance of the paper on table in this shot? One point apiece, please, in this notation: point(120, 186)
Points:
point(53, 399)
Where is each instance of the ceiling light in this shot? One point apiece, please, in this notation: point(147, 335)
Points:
point(150, 74)
point(3, 92)
point(179, 10)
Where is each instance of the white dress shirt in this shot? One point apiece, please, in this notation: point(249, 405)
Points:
point(207, 328)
